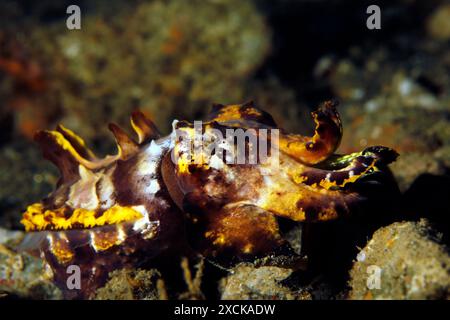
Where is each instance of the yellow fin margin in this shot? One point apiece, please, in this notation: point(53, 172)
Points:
point(37, 218)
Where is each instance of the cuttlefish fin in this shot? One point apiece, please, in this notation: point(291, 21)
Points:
point(125, 144)
point(239, 113)
point(77, 142)
point(57, 149)
point(67, 152)
point(327, 137)
point(144, 127)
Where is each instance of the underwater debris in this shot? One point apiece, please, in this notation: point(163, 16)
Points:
point(247, 282)
point(21, 274)
point(194, 291)
point(126, 284)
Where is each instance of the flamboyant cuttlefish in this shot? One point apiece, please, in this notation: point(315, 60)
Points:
point(125, 209)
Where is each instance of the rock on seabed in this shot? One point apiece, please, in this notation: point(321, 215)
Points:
point(412, 264)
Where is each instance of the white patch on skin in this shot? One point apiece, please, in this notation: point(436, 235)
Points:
point(173, 136)
point(146, 227)
point(351, 174)
point(92, 240)
point(153, 187)
point(106, 192)
point(229, 174)
point(174, 124)
point(149, 159)
point(154, 149)
point(144, 221)
point(268, 181)
point(265, 171)
point(141, 209)
point(264, 191)
point(147, 166)
point(216, 163)
point(62, 235)
point(83, 192)
point(121, 235)
point(50, 240)
point(150, 230)
point(328, 177)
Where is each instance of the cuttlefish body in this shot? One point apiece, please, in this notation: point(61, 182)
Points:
point(129, 208)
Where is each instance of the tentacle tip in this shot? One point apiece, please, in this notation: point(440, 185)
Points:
point(216, 107)
point(118, 132)
point(137, 113)
point(38, 135)
point(144, 127)
point(328, 109)
point(384, 155)
point(332, 103)
point(41, 136)
point(248, 104)
point(112, 126)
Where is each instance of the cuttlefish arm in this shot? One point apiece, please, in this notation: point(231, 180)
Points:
point(312, 194)
point(339, 171)
point(327, 137)
point(307, 150)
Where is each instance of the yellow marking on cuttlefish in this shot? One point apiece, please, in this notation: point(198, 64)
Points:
point(295, 144)
point(327, 184)
point(102, 242)
point(298, 178)
point(248, 248)
point(36, 218)
point(66, 145)
point(60, 248)
point(139, 132)
point(316, 135)
point(189, 157)
point(282, 200)
point(219, 239)
point(229, 113)
point(78, 139)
